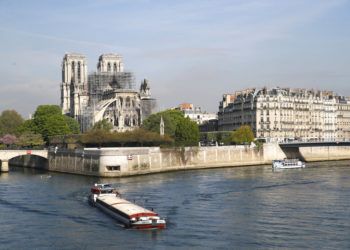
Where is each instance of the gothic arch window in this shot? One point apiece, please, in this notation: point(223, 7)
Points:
point(73, 69)
point(127, 102)
point(127, 121)
point(79, 71)
point(134, 121)
point(108, 67)
point(121, 102)
point(116, 122)
point(115, 67)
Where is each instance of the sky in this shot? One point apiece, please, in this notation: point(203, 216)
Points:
point(190, 50)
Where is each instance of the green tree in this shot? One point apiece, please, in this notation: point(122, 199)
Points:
point(10, 120)
point(29, 139)
point(243, 134)
point(170, 118)
point(186, 133)
point(46, 110)
point(42, 115)
point(73, 125)
point(28, 126)
point(103, 125)
point(47, 121)
point(55, 125)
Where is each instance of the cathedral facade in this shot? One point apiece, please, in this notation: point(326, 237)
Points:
point(108, 93)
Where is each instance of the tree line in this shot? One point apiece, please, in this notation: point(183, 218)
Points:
point(49, 126)
point(47, 121)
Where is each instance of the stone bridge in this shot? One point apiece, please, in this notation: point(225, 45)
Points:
point(317, 150)
point(6, 155)
point(298, 144)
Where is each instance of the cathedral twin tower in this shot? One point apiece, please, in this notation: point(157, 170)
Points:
point(109, 93)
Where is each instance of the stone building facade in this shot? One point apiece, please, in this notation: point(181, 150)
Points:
point(280, 114)
point(196, 114)
point(109, 93)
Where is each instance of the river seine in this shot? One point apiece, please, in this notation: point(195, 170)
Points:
point(228, 208)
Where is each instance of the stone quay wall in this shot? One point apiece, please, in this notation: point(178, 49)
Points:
point(326, 153)
point(75, 162)
point(116, 162)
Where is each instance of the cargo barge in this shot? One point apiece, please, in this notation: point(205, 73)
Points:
point(107, 198)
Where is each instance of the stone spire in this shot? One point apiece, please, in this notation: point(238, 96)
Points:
point(161, 126)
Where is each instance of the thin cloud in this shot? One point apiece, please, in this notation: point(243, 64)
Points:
point(61, 39)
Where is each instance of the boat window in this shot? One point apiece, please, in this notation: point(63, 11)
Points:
point(113, 168)
point(106, 191)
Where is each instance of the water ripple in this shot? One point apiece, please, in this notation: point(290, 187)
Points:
point(243, 208)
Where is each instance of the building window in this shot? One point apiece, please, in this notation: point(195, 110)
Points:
point(113, 168)
point(79, 72)
point(115, 67)
point(127, 102)
point(108, 67)
point(127, 121)
point(73, 69)
point(116, 122)
point(134, 121)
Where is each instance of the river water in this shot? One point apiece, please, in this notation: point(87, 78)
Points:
point(228, 208)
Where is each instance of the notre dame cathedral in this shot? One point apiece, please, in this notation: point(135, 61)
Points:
point(108, 93)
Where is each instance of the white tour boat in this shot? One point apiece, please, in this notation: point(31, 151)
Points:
point(107, 198)
point(287, 163)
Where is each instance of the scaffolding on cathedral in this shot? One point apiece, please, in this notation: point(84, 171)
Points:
point(100, 82)
point(100, 85)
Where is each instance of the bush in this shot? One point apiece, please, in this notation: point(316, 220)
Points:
point(138, 137)
point(243, 135)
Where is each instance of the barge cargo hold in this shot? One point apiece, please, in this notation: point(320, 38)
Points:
point(131, 215)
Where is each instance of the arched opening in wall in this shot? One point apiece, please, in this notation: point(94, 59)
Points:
point(121, 102)
point(116, 122)
point(115, 67)
point(110, 111)
point(127, 102)
point(72, 89)
point(127, 121)
point(79, 72)
point(29, 161)
point(73, 70)
point(133, 103)
point(63, 75)
point(134, 121)
point(108, 67)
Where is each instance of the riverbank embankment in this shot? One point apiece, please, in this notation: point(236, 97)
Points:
point(118, 162)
